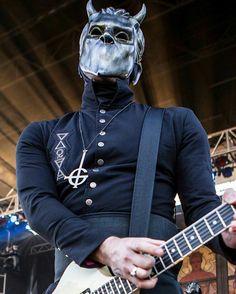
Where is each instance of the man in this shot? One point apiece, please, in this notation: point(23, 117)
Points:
point(75, 174)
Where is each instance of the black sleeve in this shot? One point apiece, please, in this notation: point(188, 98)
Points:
point(38, 195)
point(195, 184)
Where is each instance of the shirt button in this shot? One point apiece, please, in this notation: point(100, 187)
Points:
point(89, 202)
point(102, 111)
point(102, 120)
point(101, 144)
point(100, 162)
point(93, 185)
point(102, 133)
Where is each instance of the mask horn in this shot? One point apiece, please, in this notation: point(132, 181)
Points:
point(90, 9)
point(142, 13)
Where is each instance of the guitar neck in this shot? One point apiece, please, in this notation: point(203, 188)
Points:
point(178, 247)
point(193, 237)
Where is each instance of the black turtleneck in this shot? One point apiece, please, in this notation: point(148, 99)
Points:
point(105, 92)
point(106, 95)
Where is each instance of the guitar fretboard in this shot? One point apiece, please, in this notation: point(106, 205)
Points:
point(179, 246)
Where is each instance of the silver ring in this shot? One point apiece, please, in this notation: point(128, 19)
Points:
point(133, 272)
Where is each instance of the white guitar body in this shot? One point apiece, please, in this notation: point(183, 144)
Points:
point(77, 280)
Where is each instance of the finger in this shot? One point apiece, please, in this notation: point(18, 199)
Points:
point(230, 196)
point(152, 241)
point(146, 247)
point(232, 227)
point(143, 261)
point(142, 273)
point(144, 284)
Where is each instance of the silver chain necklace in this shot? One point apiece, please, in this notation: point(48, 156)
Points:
point(76, 177)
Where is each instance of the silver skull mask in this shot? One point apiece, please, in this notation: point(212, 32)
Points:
point(112, 43)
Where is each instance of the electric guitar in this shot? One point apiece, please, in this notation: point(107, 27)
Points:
point(77, 280)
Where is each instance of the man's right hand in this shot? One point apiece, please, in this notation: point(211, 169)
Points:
point(123, 255)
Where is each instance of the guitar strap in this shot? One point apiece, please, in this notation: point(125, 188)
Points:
point(145, 172)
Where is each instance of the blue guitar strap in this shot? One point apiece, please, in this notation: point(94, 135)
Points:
point(145, 172)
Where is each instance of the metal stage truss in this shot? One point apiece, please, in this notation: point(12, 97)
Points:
point(223, 142)
point(10, 204)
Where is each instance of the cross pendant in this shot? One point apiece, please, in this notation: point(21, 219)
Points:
point(75, 178)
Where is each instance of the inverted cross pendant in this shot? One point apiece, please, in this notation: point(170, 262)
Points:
point(76, 177)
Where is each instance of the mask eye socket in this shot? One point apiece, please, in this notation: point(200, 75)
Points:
point(96, 32)
point(123, 37)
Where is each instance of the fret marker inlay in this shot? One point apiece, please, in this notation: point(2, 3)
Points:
point(177, 246)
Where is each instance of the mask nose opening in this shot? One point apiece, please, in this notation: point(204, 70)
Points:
point(107, 39)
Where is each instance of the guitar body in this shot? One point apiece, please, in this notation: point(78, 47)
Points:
point(77, 280)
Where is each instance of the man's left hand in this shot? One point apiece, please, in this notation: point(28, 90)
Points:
point(229, 236)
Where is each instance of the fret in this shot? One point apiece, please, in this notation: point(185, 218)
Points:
point(104, 289)
point(122, 286)
point(192, 237)
point(227, 212)
point(162, 262)
point(119, 285)
point(100, 290)
point(109, 289)
point(154, 272)
point(221, 219)
point(126, 286)
point(130, 287)
point(177, 246)
point(114, 286)
point(168, 252)
point(186, 239)
point(159, 265)
point(183, 245)
point(209, 228)
point(173, 250)
point(166, 258)
point(203, 230)
point(133, 287)
point(215, 223)
point(198, 235)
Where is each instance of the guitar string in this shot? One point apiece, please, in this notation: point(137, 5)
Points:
point(202, 227)
point(219, 227)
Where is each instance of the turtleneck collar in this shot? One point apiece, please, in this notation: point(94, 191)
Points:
point(107, 96)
